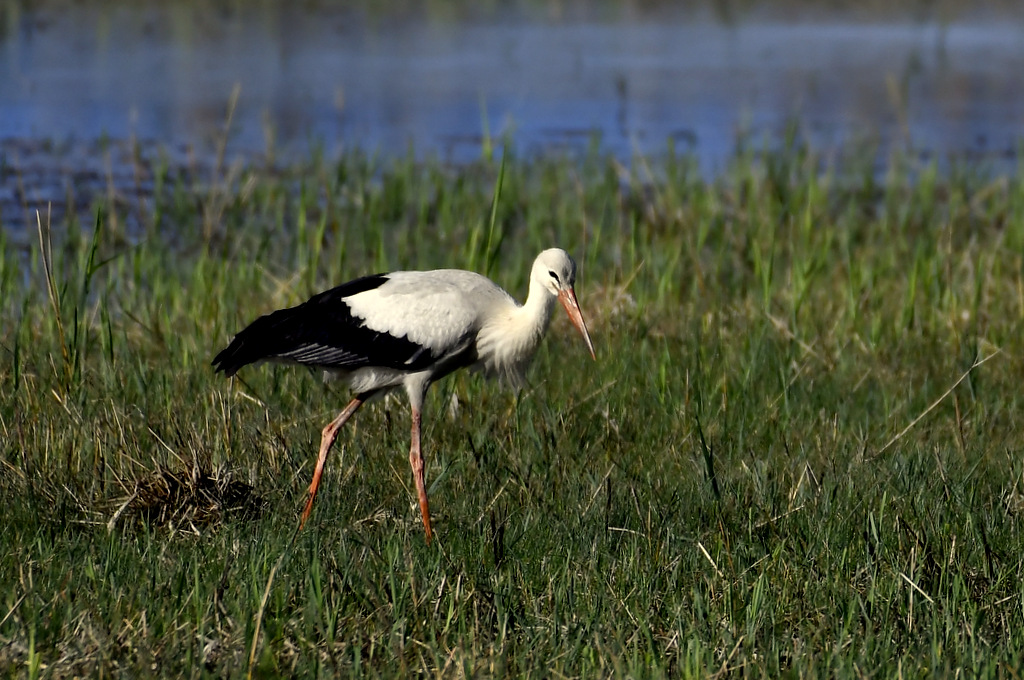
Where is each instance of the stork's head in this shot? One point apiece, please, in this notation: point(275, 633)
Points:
point(555, 270)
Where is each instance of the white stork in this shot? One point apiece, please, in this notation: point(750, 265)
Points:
point(409, 329)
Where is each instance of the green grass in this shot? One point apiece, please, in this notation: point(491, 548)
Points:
point(771, 470)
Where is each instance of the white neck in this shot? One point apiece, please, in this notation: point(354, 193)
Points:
point(535, 314)
point(507, 344)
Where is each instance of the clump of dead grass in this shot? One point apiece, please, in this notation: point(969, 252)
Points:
point(189, 499)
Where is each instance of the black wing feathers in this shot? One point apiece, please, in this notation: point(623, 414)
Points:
point(322, 332)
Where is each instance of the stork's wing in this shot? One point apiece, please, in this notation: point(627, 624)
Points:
point(403, 321)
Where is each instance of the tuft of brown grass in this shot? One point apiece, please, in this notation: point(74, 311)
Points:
point(187, 500)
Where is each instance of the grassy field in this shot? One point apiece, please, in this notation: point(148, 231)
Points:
point(799, 452)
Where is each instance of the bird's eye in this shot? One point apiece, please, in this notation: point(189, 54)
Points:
point(553, 275)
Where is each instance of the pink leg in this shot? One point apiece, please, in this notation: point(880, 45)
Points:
point(416, 460)
point(329, 434)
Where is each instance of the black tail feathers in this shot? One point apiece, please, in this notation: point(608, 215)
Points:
point(259, 340)
point(232, 357)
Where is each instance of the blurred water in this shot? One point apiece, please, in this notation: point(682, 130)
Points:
point(551, 76)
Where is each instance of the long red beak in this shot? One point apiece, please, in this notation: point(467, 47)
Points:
point(568, 299)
